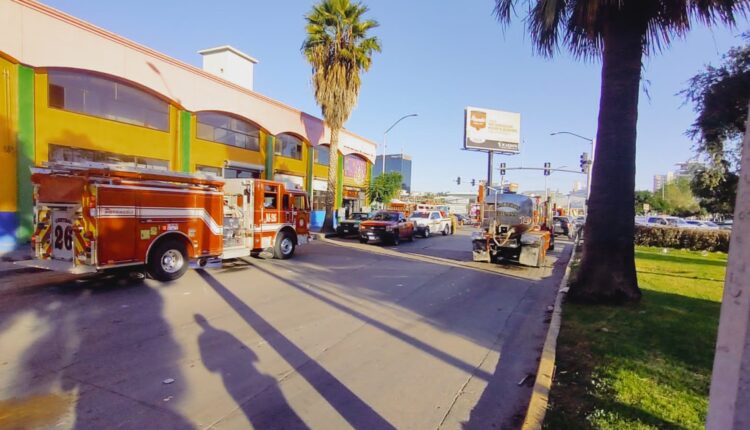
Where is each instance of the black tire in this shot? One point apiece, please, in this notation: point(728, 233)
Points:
point(426, 232)
point(362, 240)
point(445, 231)
point(168, 260)
point(284, 247)
point(411, 237)
point(396, 238)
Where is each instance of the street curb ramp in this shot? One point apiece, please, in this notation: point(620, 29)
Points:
point(543, 383)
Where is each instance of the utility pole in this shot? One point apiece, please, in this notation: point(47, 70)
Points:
point(490, 161)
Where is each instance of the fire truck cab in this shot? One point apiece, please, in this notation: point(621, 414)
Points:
point(96, 217)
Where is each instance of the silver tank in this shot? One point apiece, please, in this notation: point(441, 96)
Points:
point(508, 210)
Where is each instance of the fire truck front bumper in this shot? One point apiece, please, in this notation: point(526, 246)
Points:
point(58, 266)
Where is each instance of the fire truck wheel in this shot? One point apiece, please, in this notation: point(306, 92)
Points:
point(284, 247)
point(168, 260)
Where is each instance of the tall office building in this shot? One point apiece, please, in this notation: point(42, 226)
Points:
point(395, 163)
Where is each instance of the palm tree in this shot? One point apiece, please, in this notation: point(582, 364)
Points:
point(621, 32)
point(338, 48)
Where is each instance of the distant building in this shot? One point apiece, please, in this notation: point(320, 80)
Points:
point(395, 163)
point(661, 180)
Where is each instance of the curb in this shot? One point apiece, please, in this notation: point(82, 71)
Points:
point(540, 393)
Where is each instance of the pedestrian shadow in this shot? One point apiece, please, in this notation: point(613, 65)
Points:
point(236, 365)
point(353, 409)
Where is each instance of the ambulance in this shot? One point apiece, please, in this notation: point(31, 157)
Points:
point(94, 217)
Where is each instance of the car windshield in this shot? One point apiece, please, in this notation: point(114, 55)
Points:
point(360, 216)
point(710, 224)
point(676, 221)
point(420, 215)
point(385, 216)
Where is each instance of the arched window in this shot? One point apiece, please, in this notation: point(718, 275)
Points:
point(289, 146)
point(227, 129)
point(355, 167)
point(106, 97)
point(322, 155)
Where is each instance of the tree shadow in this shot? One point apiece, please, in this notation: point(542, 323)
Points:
point(106, 348)
point(236, 365)
point(353, 409)
point(671, 258)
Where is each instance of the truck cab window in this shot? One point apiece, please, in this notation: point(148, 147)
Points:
point(269, 201)
point(285, 202)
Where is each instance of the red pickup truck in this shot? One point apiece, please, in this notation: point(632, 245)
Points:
point(388, 227)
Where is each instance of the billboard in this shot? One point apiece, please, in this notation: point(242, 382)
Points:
point(492, 130)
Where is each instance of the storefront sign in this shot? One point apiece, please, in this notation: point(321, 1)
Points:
point(492, 130)
point(355, 168)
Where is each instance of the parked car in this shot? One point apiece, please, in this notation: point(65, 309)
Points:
point(725, 225)
point(428, 222)
point(641, 220)
point(387, 227)
point(350, 226)
point(462, 219)
point(564, 225)
point(670, 221)
point(703, 224)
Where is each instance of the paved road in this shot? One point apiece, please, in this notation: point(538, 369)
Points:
point(342, 336)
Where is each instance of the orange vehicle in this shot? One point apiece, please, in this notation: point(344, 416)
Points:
point(96, 217)
point(514, 227)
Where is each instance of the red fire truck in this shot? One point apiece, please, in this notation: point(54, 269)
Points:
point(95, 217)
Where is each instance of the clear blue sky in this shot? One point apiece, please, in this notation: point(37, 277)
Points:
point(438, 57)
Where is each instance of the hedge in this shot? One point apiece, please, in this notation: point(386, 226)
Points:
point(682, 238)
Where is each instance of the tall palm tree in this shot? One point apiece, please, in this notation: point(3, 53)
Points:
point(338, 48)
point(620, 32)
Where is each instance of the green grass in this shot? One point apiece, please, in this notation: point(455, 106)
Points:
point(644, 366)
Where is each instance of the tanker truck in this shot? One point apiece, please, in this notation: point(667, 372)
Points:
point(513, 227)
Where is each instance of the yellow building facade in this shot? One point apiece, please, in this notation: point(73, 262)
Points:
point(72, 103)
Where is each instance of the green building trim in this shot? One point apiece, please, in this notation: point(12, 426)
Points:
point(25, 153)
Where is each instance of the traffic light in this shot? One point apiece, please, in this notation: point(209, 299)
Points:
point(502, 169)
point(547, 167)
point(458, 181)
point(584, 162)
point(473, 182)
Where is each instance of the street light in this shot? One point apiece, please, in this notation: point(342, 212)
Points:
point(588, 174)
point(389, 129)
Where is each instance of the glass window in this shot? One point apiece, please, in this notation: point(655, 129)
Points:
point(288, 146)
point(322, 154)
point(319, 200)
point(285, 202)
point(300, 202)
point(216, 171)
point(269, 200)
point(222, 128)
point(78, 155)
point(230, 172)
point(107, 98)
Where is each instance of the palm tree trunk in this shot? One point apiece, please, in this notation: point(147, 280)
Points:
point(607, 272)
point(333, 169)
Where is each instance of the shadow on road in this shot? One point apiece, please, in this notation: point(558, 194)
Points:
point(236, 365)
point(353, 409)
point(93, 333)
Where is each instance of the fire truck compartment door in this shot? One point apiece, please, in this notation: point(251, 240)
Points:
point(62, 235)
